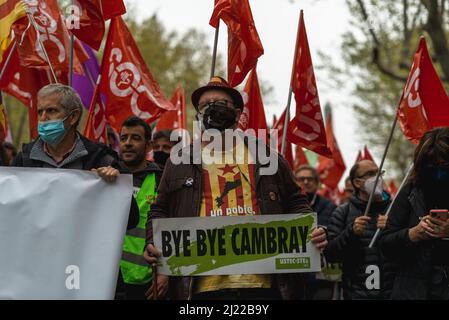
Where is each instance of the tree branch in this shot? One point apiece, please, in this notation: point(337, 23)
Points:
point(376, 59)
point(434, 28)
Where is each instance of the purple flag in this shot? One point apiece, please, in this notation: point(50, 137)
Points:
point(85, 85)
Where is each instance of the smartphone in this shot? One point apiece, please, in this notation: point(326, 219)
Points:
point(441, 214)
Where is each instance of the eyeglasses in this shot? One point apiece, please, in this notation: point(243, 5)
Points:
point(304, 179)
point(222, 103)
point(370, 174)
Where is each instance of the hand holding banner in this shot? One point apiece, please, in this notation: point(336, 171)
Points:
point(260, 244)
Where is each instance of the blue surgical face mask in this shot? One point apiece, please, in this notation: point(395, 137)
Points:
point(53, 131)
point(440, 174)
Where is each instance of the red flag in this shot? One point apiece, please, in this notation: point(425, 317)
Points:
point(367, 155)
point(174, 119)
point(300, 158)
point(112, 8)
point(96, 122)
point(359, 157)
point(24, 84)
point(54, 36)
point(244, 45)
point(253, 115)
point(331, 170)
point(392, 188)
point(307, 127)
point(90, 19)
point(424, 103)
point(126, 82)
point(279, 126)
point(334, 195)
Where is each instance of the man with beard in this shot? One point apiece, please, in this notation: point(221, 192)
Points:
point(309, 181)
point(135, 143)
point(194, 190)
point(350, 233)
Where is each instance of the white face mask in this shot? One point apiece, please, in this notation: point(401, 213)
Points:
point(369, 186)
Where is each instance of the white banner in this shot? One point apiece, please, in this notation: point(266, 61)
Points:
point(61, 233)
point(258, 244)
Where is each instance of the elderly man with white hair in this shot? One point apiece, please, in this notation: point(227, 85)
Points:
point(60, 145)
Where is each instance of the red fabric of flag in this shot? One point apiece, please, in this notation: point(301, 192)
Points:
point(307, 127)
point(96, 123)
point(91, 27)
point(278, 129)
point(244, 45)
point(424, 103)
point(174, 119)
point(54, 36)
point(331, 170)
point(253, 115)
point(112, 8)
point(126, 83)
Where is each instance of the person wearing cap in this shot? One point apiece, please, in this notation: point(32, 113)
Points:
point(244, 190)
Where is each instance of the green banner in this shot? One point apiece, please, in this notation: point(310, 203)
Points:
point(236, 245)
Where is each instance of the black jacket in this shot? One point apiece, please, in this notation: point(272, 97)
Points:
point(324, 208)
point(352, 250)
point(415, 261)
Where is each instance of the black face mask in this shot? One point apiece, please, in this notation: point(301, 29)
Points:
point(161, 157)
point(219, 117)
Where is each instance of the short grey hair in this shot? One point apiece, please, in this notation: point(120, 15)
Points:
point(69, 98)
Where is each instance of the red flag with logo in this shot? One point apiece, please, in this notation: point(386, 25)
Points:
point(424, 103)
point(253, 115)
point(331, 170)
point(278, 130)
point(307, 127)
point(95, 128)
point(91, 27)
point(54, 36)
point(174, 119)
point(244, 45)
point(112, 8)
point(127, 84)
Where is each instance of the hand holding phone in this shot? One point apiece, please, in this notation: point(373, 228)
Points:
point(440, 214)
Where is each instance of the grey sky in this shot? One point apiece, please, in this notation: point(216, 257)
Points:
point(276, 22)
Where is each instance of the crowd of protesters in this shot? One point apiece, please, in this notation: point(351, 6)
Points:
point(410, 255)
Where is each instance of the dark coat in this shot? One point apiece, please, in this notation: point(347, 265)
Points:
point(415, 261)
point(352, 250)
point(324, 208)
point(276, 194)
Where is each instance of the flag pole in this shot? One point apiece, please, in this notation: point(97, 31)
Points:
point(290, 91)
point(72, 42)
point(376, 235)
point(214, 53)
point(41, 44)
point(379, 172)
point(8, 59)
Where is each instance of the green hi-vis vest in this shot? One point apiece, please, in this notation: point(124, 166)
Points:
point(135, 270)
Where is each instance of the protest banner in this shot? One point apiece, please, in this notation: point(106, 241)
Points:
point(61, 233)
point(256, 244)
